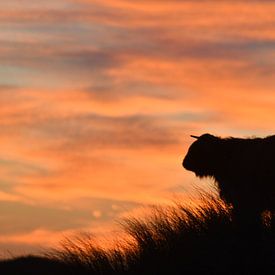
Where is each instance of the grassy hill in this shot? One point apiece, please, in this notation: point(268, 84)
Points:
point(172, 240)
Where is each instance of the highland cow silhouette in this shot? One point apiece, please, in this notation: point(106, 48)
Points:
point(244, 170)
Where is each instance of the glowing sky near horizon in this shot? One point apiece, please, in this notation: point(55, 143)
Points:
point(98, 99)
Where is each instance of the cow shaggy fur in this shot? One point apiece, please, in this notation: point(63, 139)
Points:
point(244, 170)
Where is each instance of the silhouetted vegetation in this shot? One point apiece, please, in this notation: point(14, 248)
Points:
point(172, 240)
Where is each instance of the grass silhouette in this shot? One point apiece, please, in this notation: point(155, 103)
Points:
point(172, 240)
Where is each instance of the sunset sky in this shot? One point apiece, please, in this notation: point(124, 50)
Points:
point(98, 99)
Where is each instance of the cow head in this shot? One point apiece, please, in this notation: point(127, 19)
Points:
point(201, 157)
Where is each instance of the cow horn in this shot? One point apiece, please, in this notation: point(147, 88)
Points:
point(194, 136)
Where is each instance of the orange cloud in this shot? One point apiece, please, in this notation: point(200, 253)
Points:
point(99, 98)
